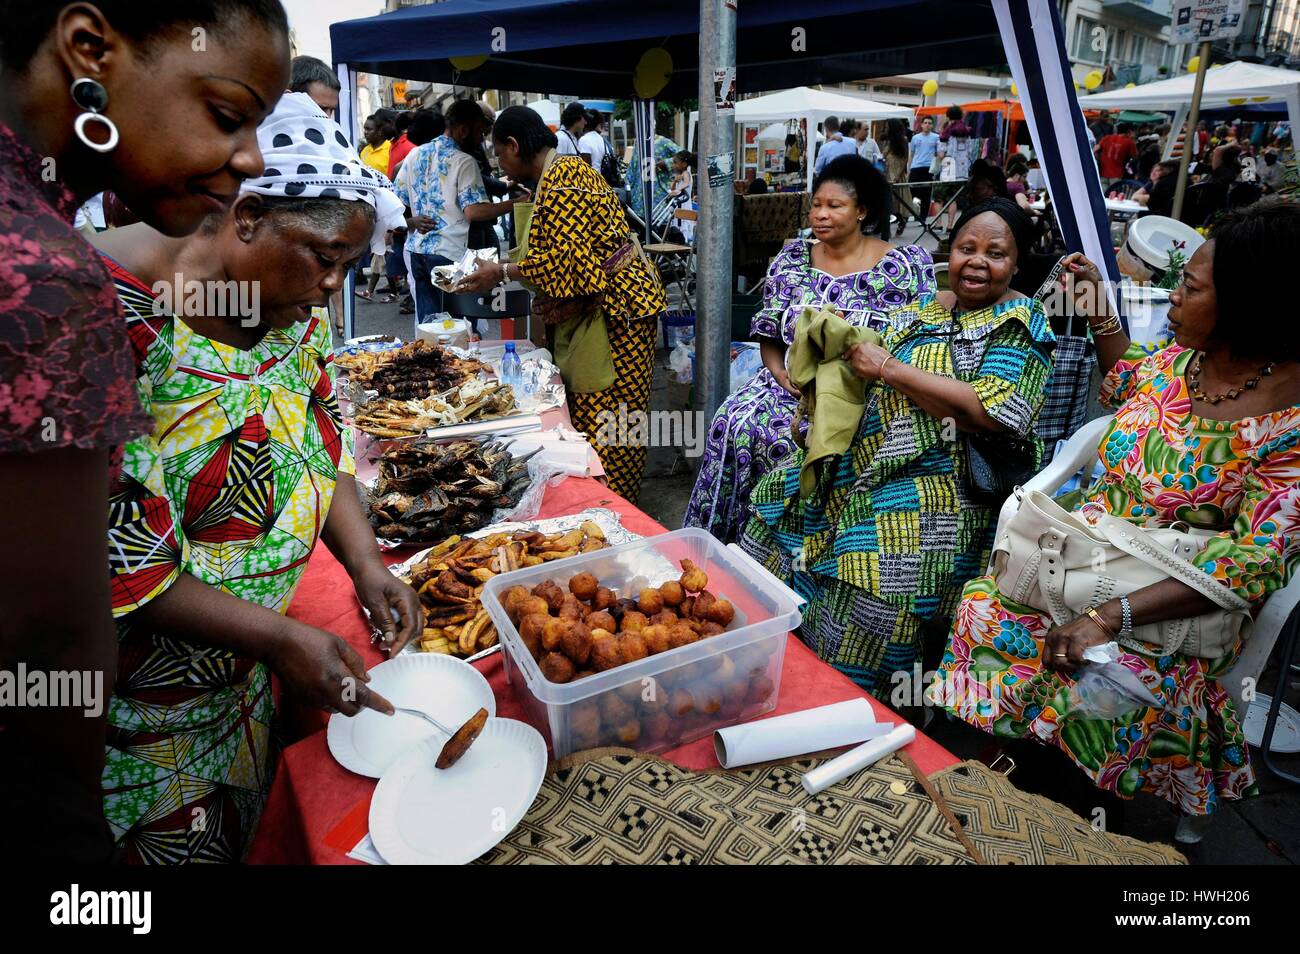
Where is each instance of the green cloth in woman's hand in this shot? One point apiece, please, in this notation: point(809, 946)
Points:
point(833, 395)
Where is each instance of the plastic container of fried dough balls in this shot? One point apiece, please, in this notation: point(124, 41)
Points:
point(669, 698)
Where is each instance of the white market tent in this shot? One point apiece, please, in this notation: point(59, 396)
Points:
point(813, 106)
point(1229, 85)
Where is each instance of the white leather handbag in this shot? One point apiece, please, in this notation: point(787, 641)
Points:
point(1064, 563)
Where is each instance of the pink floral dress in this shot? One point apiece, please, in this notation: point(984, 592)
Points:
point(1161, 464)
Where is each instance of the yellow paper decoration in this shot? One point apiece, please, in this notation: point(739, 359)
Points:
point(1129, 85)
point(652, 72)
point(1236, 100)
point(467, 63)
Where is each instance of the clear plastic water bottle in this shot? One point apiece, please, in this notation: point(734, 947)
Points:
point(511, 373)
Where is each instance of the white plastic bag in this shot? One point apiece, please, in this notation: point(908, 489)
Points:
point(748, 362)
point(1103, 689)
point(681, 363)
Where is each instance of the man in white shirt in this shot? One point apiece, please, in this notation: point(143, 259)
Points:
point(867, 147)
point(443, 190)
point(592, 143)
point(572, 124)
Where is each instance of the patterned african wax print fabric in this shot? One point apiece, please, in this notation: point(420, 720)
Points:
point(1160, 464)
point(232, 486)
point(882, 546)
point(751, 432)
point(577, 227)
point(610, 417)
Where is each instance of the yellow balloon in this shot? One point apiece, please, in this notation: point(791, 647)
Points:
point(652, 72)
point(467, 63)
point(1015, 90)
point(1092, 80)
point(929, 87)
point(1193, 64)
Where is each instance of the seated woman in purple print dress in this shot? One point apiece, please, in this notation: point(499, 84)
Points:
point(861, 276)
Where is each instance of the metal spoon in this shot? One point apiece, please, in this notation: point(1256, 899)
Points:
point(458, 741)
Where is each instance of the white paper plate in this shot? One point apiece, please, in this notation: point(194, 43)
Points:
point(422, 815)
point(1286, 734)
point(447, 688)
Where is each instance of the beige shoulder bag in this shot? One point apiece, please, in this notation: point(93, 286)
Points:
point(1063, 563)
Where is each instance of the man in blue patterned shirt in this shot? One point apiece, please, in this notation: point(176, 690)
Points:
point(443, 190)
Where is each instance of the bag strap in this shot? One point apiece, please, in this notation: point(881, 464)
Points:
point(1135, 543)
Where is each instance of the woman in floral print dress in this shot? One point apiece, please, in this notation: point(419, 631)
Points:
point(862, 277)
point(1206, 432)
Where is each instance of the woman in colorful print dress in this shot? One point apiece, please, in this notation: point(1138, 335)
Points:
point(217, 510)
point(581, 255)
point(1207, 432)
point(862, 277)
point(881, 547)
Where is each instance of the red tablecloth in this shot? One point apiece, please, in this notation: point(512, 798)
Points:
point(317, 810)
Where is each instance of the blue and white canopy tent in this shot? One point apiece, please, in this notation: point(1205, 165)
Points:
point(591, 48)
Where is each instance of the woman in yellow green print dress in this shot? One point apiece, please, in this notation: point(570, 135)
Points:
point(1206, 432)
point(581, 255)
point(217, 510)
point(881, 547)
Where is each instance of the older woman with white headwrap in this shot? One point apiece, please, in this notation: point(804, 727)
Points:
point(218, 509)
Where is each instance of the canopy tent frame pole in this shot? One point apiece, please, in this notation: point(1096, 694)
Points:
point(643, 130)
point(347, 118)
point(810, 149)
point(713, 241)
point(1180, 118)
point(1193, 115)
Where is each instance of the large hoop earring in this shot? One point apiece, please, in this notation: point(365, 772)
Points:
point(91, 96)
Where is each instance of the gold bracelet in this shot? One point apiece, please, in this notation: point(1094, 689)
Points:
point(1102, 625)
point(1107, 328)
point(880, 372)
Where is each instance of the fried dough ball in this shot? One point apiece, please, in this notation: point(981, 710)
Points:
point(687, 606)
point(656, 724)
point(724, 670)
point(605, 651)
point(672, 593)
point(664, 618)
point(600, 619)
point(633, 647)
point(735, 691)
point(693, 579)
point(708, 699)
point(576, 643)
point(720, 612)
point(630, 692)
point(614, 710)
point(628, 732)
point(557, 668)
point(528, 605)
point(584, 673)
point(530, 631)
point(583, 610)
point(604, 598)
point(681, 704)
point(550, 591)
point(760, 687)
point(511, 600)
point(584, 725)
point(709, 628)
point(570, 608)
point(681, 635)
point(554, 630)
point(702, 603)
point(583, 585)
point(655, 638)
point(650, 601)
point(634, 621)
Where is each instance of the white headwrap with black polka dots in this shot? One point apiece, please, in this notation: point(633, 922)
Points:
point(308, 156)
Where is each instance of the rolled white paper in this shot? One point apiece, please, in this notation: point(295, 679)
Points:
point(840, 768)
point(797, 733)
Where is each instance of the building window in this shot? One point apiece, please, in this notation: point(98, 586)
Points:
point(1083, 29)
point(1118, 43)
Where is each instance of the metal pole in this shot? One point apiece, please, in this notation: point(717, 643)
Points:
point(713, 236)
point(1193, 115)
